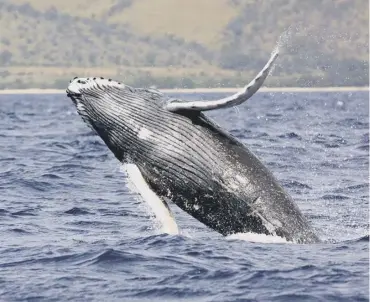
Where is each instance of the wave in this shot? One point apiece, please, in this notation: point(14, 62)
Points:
point(25, 212)
point(296, 184)
point(69, 258)
point(334, 197)
point(77, 211)
point(290, 135)
point(159, 240)
point(19, 231)
point(114, 256)
point(364, 238)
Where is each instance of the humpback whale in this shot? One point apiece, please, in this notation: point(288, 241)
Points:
point(186, 158)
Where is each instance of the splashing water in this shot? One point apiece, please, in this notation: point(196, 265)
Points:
point(260, 238)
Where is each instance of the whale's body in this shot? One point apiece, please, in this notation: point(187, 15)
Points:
point(187, 159)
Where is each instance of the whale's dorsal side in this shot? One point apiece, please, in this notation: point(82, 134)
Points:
point(233, 100)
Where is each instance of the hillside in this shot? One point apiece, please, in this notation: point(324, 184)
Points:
point(174, 43)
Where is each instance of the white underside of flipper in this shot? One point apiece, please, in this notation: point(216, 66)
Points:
point(233, 100)
point(162, 214)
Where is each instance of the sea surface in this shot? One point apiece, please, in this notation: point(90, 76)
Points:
point(72, 230)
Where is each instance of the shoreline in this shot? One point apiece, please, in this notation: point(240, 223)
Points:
point(204, 90)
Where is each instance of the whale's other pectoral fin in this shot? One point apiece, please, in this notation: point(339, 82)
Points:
point(235, 99)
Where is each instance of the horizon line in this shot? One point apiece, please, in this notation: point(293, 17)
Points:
point(206, 90)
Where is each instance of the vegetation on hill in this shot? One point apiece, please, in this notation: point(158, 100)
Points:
point(175, 43)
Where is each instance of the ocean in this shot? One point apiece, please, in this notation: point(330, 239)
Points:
point(72, 229)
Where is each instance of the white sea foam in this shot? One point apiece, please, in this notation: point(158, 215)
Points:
point(253, 237)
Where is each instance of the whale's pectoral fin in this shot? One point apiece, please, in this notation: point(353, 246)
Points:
point(157, 204)
point(235, 99)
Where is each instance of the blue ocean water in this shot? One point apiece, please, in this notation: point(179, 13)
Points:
point(71, 230)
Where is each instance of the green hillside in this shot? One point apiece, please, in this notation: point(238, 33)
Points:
point(175, 43)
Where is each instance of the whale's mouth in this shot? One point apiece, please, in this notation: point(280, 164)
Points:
point(73, 94)
point(73, 89)
point(76, 95)
point(76, 98)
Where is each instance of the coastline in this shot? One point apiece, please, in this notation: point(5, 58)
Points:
point(205, 90)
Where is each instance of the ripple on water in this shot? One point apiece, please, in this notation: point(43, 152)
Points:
point(77, 211)
point(334, 197)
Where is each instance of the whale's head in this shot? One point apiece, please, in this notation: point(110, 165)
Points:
point(96, 100)
point(89, 96)
point(98, 104)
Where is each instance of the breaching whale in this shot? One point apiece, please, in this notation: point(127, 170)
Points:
point(186, 158)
